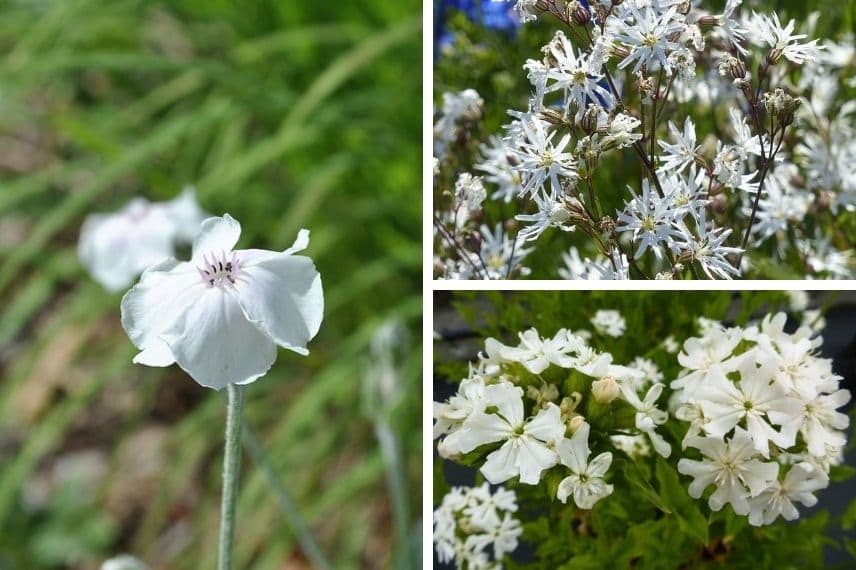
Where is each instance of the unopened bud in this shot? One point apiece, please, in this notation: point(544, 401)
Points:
point(553, 116)
point(578, 13)
point(718, 203)
point(605, 390)
point(575, 423)
point(708, 21)
point(606, 225)
point(589, 121)
point(644, 85)
point(774, 56)
point(732, 67)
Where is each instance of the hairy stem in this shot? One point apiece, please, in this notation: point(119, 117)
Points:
point(231, 474)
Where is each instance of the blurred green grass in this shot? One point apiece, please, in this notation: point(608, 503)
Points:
point(285, 115)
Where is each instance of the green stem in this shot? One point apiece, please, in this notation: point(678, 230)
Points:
point(391, 452)
point(231, 473)
point(286, 503)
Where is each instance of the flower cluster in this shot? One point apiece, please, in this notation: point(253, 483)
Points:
point(761, 184)
point(476, 527)
point(527, 409)
point(763, 415)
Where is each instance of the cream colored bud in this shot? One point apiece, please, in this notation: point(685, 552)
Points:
point(605, 390)
point(575, 423)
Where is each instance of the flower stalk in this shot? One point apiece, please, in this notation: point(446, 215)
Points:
point(231, 474)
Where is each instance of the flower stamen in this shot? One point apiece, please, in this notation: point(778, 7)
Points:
point(220, 271)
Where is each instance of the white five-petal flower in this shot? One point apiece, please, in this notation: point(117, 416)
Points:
point(585, 483)
point(221, 315)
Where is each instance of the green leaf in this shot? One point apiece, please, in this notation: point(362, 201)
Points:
point(848, 519)
point(839, 473)
point(634, 475)
point(685, 509)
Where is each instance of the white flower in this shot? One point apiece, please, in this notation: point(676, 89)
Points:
point(648, 37)
point(186, 214)
point(818, 420)
point(683, 152)
point(552, 213)
point(116, 248)
point(730, 28)
point(620, 133)
point(783, 42)
point(540, 160)
point(648, 416)
point(452, 414)
point(752, 400)
point(469, 191)
point(650, 218)
point(536, 354)
point(609, 322)
point(501, 254)
point(577, 76)
point(802, 480)
point(586, 482)
point(529, 445)
point(221, 315)
point(732, 467)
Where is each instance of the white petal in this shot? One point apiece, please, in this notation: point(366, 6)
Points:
point(186, 214)
point(508, 399)
point(301, 243)
point(216, 235)
point(566, 487)
point(153, 305)
point(284, 294)
point(501, 465)
point(600, 465)
point(480, 429)
point(547, 425)
point(533, 458)
point(574, 452)
point(216, 344)
point(157, 354)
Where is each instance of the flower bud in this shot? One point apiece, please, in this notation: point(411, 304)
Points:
point(577, 13)
point(589, 120)
point(553, 116)
point(605, 390)
point(718, 203)
point(575, 423)
point(708, 21)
